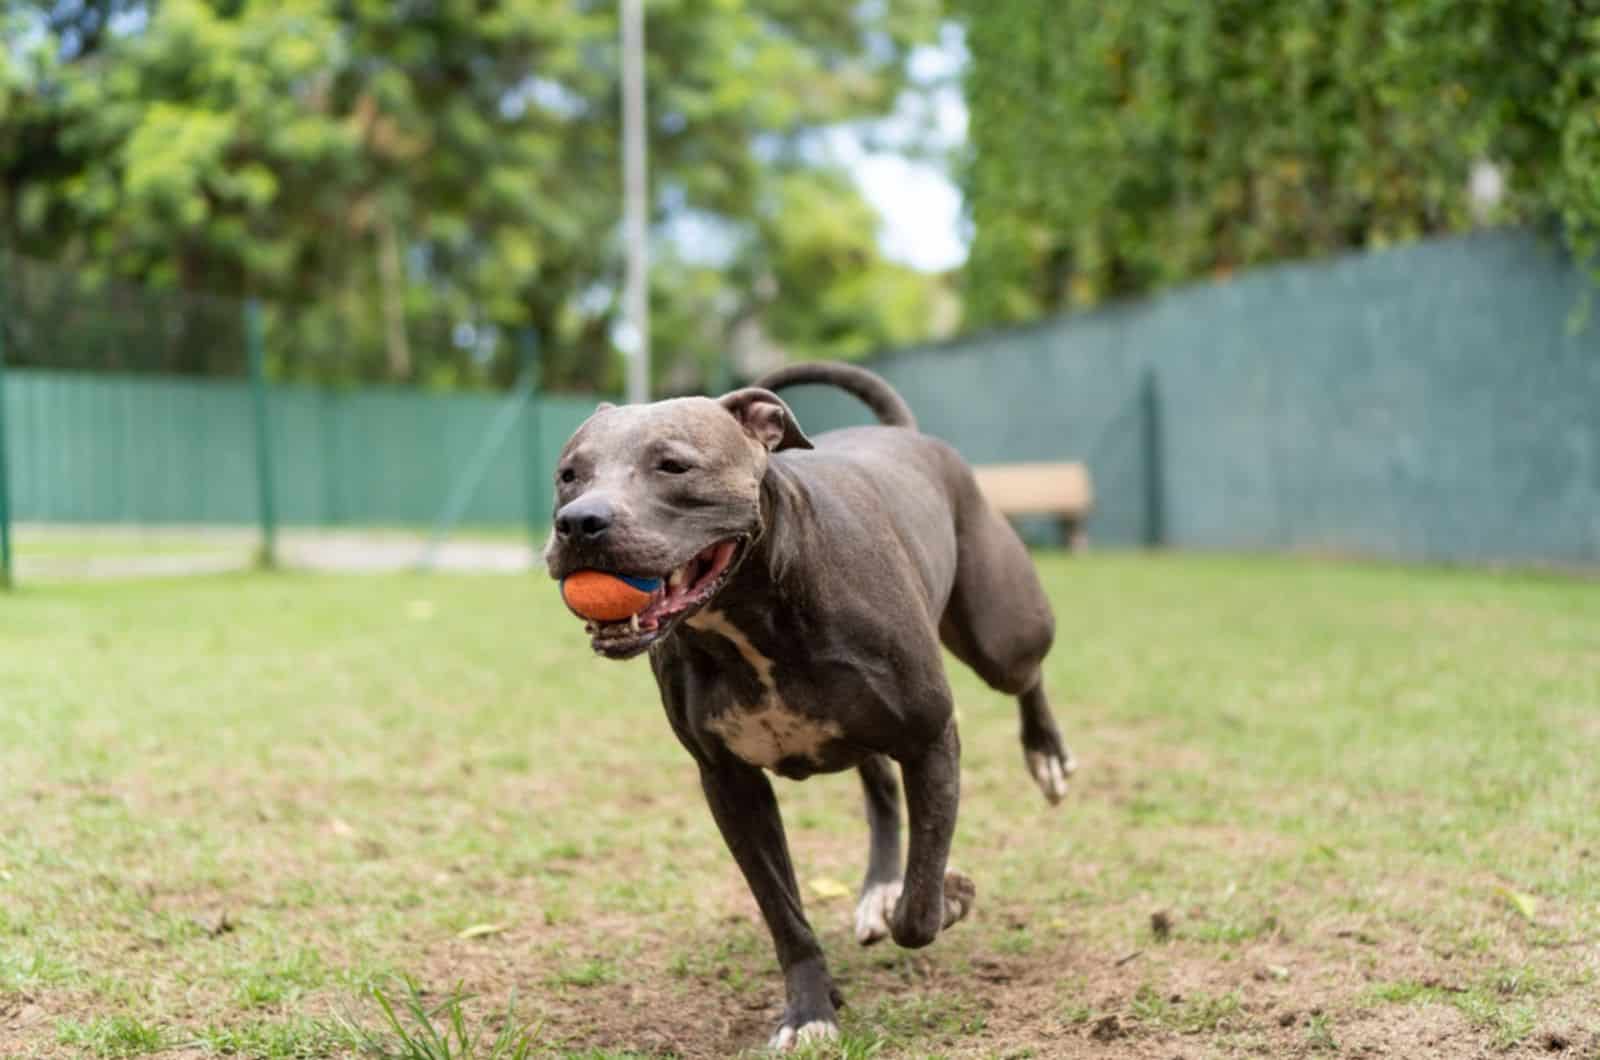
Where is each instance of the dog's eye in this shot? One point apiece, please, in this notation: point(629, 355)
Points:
point(567, 474)
point(673, 467)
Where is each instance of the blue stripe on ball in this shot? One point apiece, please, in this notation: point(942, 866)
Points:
point(644, 585)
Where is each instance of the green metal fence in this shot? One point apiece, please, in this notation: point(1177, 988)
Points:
point(163, 451)
point(1434, 402)
point(127, 405)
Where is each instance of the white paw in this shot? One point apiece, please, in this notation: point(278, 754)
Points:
point(1051, 773)
point(815, 1031)
point(873, 912)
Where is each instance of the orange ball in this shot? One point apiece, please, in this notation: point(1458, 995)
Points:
point(603, 597)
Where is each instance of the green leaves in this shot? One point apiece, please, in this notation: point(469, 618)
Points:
point(1115, 155)
point(170, 155)
point(460, 166)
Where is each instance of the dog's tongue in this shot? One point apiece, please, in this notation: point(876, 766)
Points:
point(717, 557)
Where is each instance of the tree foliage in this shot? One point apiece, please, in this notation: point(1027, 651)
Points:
point(402, 178)
point(1120, 148)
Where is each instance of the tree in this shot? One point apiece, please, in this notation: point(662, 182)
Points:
point(815, 236)
point(408, 182)
point(1119, 149)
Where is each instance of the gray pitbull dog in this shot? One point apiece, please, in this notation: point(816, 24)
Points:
point(806, 589)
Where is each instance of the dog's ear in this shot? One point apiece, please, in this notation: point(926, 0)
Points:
point(765, 418)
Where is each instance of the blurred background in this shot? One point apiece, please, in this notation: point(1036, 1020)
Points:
point(1283, 274)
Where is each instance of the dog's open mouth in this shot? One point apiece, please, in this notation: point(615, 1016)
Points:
point(682, 592)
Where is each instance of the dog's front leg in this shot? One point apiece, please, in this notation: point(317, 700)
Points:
point(746, 810)
point(933, 896)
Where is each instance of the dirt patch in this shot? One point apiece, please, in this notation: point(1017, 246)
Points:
point(1066, 1000)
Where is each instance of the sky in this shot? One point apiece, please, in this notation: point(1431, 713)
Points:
point(900, 163)
point(919, 203)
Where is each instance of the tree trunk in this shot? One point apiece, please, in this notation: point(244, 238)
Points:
point(392, 281)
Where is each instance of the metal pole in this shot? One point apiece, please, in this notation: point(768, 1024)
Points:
point(6, 579)
point(538, 518)
point(636, 286)
point(255, 344)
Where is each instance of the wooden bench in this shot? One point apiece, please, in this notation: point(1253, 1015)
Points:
point(1059, 489)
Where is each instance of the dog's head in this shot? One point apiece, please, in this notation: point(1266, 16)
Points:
point(671, 491)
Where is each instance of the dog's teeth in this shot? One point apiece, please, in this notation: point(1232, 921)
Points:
point(633, 623)
point(676, 578)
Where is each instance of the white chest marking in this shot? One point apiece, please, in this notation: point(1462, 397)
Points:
point(766, 732)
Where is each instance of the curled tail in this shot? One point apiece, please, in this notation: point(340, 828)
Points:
point(890, 408)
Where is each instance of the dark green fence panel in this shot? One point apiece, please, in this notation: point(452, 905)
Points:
point(92, 448)
point(395, 454)
point(1034, 393)
point(304, 431)
point(1430, 402)
point(151, 450)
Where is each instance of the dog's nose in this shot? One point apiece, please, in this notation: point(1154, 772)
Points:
point(587, 518)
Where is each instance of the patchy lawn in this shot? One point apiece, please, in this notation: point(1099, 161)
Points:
point(1323, 810)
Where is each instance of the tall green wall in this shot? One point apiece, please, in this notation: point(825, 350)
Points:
point(1433, 402)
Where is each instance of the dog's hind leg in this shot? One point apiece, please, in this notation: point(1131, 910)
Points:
point(998, 622)
point(881, 889)
point(1048, 759)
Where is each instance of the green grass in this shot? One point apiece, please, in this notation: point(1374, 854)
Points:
point(236, 812)
point(1501, 1003)
point(592, 972)
point(291, 1039)
point(112, 1036)
point(417, 1028)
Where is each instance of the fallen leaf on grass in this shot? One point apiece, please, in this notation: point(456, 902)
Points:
point(478, 931)
point(1526, 904)
point(827, 889)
